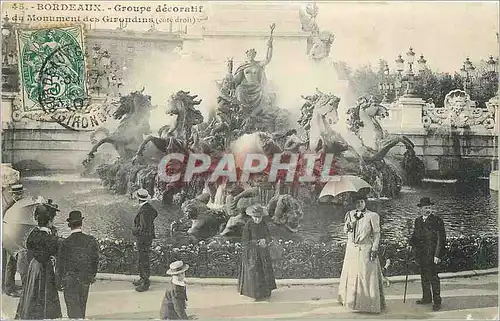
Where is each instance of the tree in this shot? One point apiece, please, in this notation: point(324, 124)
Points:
point(365, 81)
point(344, 71)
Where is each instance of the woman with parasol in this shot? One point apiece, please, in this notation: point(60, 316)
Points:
point(40, 299)
point(361, 286)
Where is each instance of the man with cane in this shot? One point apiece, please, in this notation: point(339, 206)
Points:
point(428, 242)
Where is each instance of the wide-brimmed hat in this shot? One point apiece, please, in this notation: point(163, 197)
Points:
point(74, 216)
point(425, 201)
point(143, 195)
point(17, 188)
point(43, 212)
point(177, 267)
point(257, 210)
point(50, 204)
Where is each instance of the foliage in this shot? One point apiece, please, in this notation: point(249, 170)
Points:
point(299, 259)
point(482, 84)
point(365, 82)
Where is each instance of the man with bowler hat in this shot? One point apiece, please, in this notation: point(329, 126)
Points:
point(77, 266)
point(144, 231)
point(428, 242)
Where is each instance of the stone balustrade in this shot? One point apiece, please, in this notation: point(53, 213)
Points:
point(460, 112)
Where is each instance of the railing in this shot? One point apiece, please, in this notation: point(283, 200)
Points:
point(298, 259)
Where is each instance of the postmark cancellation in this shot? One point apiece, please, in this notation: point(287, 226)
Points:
point(52, 68)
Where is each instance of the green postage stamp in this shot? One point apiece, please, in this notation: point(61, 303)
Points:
point(53, 74)
point(52, 69)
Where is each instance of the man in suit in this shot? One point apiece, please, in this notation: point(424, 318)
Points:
point(428, 242)
point(144, 231)
point(77, 266)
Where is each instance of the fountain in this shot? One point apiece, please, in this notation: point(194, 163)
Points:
point(246, 123)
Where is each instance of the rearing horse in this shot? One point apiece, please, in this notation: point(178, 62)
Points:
point(133, 112)
point(182, 104)
point(174, 137)
point(363, 122)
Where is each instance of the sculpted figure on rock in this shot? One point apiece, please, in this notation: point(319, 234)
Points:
point(250, 79)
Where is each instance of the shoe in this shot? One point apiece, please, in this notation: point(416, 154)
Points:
point(138, 282)
point(142, 288)
point(14, 294)
point(436, 307)
point(423, 302)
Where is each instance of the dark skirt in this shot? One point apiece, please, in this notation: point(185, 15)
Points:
point(256, 279)
point(40, 299)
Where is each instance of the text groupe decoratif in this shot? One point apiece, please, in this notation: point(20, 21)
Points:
point(103, 7)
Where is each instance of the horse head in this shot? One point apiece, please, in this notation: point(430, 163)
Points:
point(134, 103)
point(372, 109)
point(182, 103)
point(365, 108)
point(326, 106)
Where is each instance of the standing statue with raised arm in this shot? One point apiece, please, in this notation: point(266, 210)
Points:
point(250, 78)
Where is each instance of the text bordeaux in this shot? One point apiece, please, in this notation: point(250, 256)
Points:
point(119, 8)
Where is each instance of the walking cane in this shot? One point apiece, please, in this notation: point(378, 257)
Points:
point(408, 226)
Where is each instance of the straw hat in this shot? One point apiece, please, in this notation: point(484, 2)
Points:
point(17, 188)
point(177, 267)
point(143, 195)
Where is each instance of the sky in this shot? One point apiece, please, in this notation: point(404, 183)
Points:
point(445, 32)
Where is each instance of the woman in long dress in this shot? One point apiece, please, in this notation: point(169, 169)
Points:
point(40, 299)
point(256, 279)
point(361, 287)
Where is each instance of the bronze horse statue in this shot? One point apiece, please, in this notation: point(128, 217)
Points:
point(176, 137)
point(133, 112)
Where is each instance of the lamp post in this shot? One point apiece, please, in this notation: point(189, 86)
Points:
point(6, 33)
point(492, 65)
point(422, 64)
point(386, 85)
point(399, 68)
point(410, 76)
point(466, 72)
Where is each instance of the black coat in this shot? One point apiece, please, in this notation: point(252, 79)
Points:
point(78, 256)
point(144, 226)
point(256, 279)
point(40, 299)
point(428, 238)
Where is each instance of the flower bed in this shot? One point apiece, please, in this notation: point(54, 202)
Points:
point(299, 260)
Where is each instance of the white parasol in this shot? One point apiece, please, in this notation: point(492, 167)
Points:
point(18, 222)
point(343, 184)
point(9, 175)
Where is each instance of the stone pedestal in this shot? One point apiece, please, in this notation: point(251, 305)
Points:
point(411, 112)
point(7, 108)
